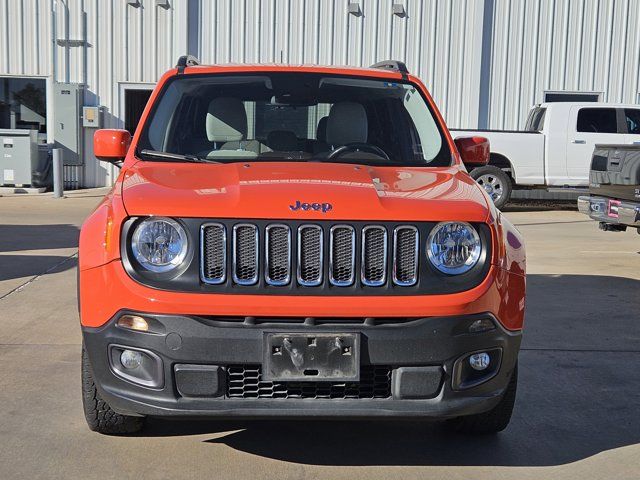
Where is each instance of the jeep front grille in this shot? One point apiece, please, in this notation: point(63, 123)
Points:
point(245, 381)
point(309, 255)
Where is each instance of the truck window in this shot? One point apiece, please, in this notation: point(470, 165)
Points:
point(535, 122)
point(597, 120)
point(632, 116)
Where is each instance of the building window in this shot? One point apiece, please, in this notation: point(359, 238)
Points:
point(23, 103)
point(572, 96)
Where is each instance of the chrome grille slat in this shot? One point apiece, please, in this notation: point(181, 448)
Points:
point(310, 255)
point(374, 256)
point(245, 254)
point(405, 255)
point(342, 255)
point(277, 254)
point(213, 253)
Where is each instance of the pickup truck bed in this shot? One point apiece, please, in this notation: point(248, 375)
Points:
point(614, 187)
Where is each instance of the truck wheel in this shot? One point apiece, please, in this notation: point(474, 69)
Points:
point(495, 182)
point(99, 415)
point(493, 421)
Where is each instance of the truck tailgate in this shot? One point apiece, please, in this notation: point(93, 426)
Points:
point(615, 172)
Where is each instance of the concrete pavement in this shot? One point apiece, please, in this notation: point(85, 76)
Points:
point(576, 415)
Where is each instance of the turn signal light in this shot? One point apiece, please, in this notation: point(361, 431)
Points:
point(133, 322)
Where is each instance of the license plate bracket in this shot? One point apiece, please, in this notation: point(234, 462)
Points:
point(311, 357)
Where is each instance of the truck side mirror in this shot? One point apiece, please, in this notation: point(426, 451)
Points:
point(111, 145)
point(473, 150)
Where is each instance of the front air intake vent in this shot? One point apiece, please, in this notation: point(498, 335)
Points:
point(405, 255)
point(310, 255)
point(342, 255)
point(245, 254)
point(374, 256)
point(213, 261)
point(278, 254)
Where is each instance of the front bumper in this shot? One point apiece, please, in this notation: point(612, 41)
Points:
point(412, 350)
point(610, 210)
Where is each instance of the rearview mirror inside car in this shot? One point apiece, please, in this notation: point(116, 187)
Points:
point(474, 151)
point(111, 145)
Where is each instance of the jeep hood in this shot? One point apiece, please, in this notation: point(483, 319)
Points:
point(267, 190)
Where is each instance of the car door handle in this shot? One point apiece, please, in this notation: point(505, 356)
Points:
point(580, 142)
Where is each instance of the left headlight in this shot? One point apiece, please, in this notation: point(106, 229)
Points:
point(159, 244)
point(454, 247)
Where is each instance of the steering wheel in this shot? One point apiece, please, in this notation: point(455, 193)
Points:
point(357, 147)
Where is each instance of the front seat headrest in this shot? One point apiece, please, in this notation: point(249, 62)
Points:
point(226, 120)
point(347, 123)
point(321, 129)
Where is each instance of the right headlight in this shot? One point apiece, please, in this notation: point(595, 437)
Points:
point(159, 244)
point(454, 247)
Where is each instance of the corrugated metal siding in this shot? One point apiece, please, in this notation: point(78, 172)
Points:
point(548, 45)
point(120, 44)
point(535, 45)
point(438, 40)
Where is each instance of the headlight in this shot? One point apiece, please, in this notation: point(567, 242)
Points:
point(453, 247)
point(159, 244)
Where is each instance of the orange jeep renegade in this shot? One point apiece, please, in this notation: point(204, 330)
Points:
point(297, 241)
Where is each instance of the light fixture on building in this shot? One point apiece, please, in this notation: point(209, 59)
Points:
point(133, 3)
point(398, 10)
point(354, 9)
point(163, 4)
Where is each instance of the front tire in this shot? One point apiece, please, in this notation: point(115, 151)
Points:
point(100, 416)
point(493, 421)
point(495, 182)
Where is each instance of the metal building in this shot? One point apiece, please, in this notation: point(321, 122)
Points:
point(485, 61)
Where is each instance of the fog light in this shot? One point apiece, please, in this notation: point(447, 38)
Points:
point(131, 359)
point(479, 361)
point(133, 322)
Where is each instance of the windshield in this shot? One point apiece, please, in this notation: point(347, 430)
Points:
point(294, 117)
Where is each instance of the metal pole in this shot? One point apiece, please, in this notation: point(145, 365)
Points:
point(58, 181)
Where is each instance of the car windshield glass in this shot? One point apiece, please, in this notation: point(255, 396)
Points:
point(294, 117)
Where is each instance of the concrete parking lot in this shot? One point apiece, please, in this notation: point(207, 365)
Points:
point(577, 413)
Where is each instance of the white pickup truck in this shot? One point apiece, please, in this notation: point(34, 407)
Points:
point(555, 148)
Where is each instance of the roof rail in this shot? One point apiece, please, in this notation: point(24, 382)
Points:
point(392, 65)
point(186, 61)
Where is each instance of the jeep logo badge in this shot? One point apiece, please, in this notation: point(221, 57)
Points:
point(318, 207)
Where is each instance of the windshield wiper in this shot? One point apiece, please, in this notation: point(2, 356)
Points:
point(169, 157)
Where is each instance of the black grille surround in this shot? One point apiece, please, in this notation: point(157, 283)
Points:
point(245, 381)
point(190, 277)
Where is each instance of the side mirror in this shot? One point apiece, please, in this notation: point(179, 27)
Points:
point(111, 145)
point(473, 150)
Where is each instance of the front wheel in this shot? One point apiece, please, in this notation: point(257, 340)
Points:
point(496, 419)
point(495, 182)
point(100, 416)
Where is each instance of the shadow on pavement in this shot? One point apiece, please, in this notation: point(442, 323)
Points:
point(24, 266)
point(22, 238)
point(15, 238)
point(579, 391)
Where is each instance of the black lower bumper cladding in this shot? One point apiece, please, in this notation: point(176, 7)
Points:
point(215, 367)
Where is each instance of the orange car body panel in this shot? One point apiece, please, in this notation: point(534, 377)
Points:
point(265, 190)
